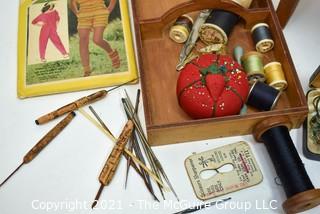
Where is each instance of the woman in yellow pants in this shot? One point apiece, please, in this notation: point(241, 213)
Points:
point(93, 16)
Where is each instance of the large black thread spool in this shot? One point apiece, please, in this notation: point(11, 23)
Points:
point(301, 194)
point(218, 27)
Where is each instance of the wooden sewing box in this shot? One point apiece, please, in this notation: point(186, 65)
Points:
point(166, 122)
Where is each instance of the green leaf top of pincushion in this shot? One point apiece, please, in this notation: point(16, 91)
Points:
point(212, 69)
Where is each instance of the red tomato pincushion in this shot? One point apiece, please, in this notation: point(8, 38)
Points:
point(212, 86)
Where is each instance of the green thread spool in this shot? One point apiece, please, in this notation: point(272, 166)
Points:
point(253, 65)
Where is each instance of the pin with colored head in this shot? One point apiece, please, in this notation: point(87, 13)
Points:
point(238, 53)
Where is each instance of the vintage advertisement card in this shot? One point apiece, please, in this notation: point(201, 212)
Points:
point(69, 45)
point(223, 170)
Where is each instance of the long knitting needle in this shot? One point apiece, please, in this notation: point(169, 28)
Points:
point(76, 104)
point(132, 137)
point(113, 160)
point(43, 143)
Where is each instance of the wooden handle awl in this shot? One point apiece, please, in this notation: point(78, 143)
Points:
point(72, 106)
point(48, 138)
point(113, 160)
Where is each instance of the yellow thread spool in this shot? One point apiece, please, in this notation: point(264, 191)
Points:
point(275, 76)
point(180, 30)
point(243, 3)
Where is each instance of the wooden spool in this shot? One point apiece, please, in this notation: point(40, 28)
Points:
point(267, 124)
point(304, 200)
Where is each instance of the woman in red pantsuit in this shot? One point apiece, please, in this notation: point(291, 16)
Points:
point(48, 20)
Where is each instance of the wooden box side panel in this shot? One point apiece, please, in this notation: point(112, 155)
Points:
point(282, 54)
point(155, 27)
point(152, 9)
point(202, 131)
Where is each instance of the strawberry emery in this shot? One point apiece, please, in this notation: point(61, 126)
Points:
point(212, 86)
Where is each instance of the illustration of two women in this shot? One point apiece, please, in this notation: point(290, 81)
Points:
point(92, 15)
